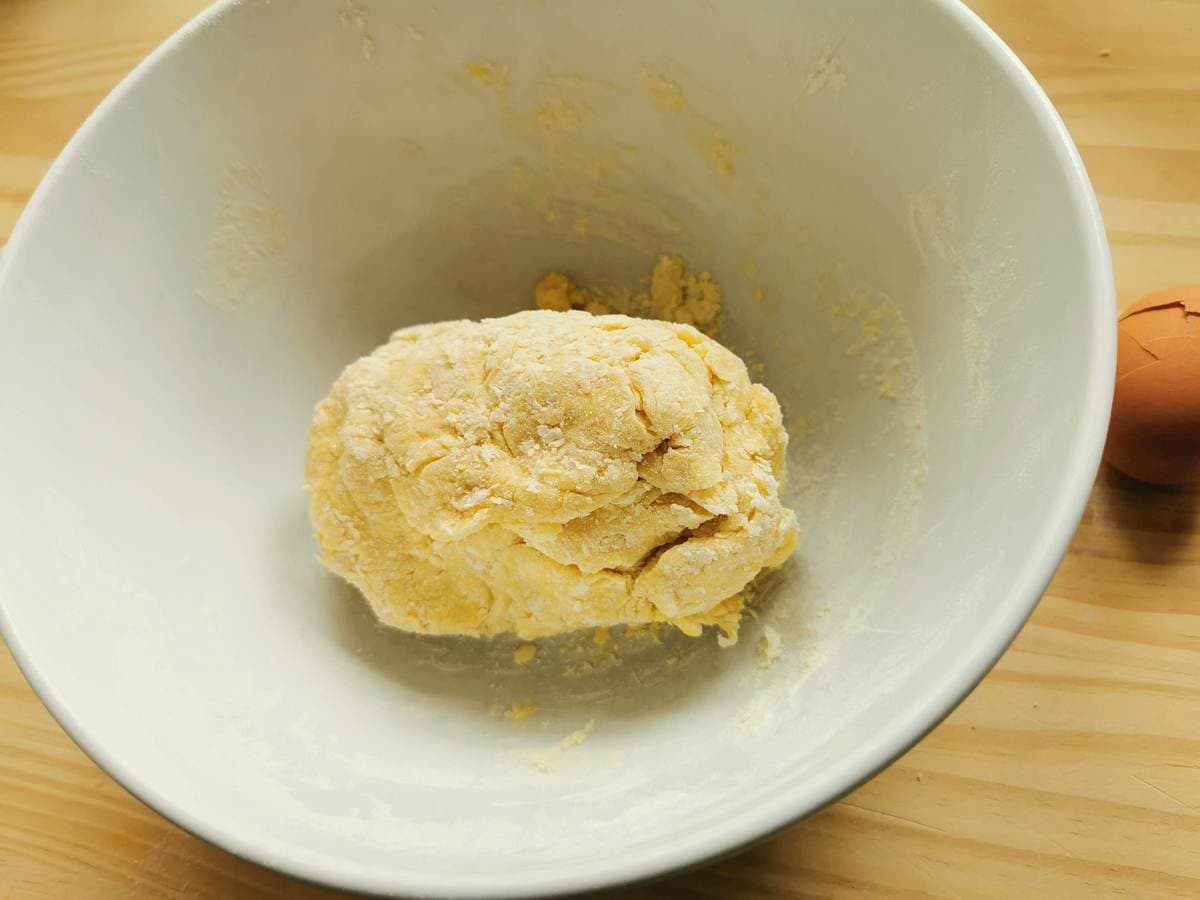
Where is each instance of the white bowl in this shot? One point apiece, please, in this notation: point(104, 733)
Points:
point(282, 184)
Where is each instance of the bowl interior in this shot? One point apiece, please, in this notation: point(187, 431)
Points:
point(907, 247)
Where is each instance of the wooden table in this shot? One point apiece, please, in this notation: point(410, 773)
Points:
point(1073, 770)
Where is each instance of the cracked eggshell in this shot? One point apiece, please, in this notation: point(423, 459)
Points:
point(1154, 435)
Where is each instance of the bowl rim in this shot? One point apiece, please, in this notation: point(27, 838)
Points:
point(912, 721)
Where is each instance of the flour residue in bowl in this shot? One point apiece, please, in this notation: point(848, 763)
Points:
point(706, 135)
point(249, 232)
point(355, 15)
point(549, 759)
point(934, 236)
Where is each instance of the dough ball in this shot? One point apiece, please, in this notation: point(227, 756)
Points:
point(549, 471)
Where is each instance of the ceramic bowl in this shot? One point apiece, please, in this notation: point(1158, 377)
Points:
point(912, 259)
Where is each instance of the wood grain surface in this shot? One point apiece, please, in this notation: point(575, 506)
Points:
point(1073, 770)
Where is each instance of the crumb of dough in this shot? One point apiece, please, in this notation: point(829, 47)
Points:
point(663, 91)
point(518, 712)
point(353, 12)
point(525, 654)
point(556, 294)
point(548, 760)
point(600, 636)
point(770, 646)
point(558, 115)
point(548, 472)
point(722, 157)
point(673, 295)
point(488, 74)
point(827, 73)
point(651, 631)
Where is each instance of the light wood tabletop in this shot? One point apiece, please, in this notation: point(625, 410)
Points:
point(1072, 771)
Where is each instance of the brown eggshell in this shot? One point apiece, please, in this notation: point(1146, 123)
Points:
point(1154, 435)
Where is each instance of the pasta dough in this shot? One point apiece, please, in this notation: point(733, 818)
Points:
point(549, 471)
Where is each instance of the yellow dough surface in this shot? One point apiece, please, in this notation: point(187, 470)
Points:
point(549, 471)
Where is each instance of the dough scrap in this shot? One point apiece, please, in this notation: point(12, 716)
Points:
point(547, 472)
point(672, 294)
